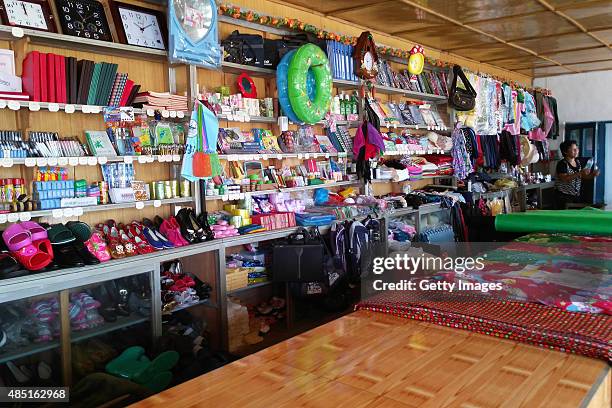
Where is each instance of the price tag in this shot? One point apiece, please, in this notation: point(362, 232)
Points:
point(264, 157)
point(157, 203)
point(180, 114)
point(17, 32)
point(78, 211)
point(300, 156)
point(242, 196)
point(139, 205)
point(69, 109)
point(85, 108)
point(176, 157)
point(62, 161)
point(173, 114)
point(68, 212)
point(307, 156)
point(279, 156)
point(327, 155)
point(13, 105)
point(92, 161)
point(224, 197)
point(53, 107)
point(95, 109)
point(231, 157)
point(7, 162)
point(25, 216)
point(2, 104)
point(230, 117)
point(161, 158)
point(234, 197)
point(165, 113)
point(102, 160)
point(57, 213)
point(73, 161)
point(150, 112)
point(247, 118)
point(416, 127)
point(142, 159)
point(13, 217)
point(41, 161)
point(52, 161)
point(2, 218)
point(34, 106)
point(30, 162)
point(83, 161)
point(429, 151)
point(128, 159)
point(150, 159)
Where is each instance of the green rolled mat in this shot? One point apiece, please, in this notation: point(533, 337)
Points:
point(587, 221)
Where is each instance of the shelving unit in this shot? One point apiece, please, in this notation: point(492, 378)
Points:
point(62, 281)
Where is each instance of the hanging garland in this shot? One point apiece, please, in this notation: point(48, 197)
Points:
point(297, 25)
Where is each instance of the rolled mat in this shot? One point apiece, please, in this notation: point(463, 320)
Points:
point(585, 221)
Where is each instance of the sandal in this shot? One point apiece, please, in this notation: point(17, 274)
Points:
point(32, 258)
point(142, 245)
point(37, 232)
point(128, 245)
point(97, 246)
point(16, 237)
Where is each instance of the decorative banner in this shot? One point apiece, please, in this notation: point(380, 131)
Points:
point(193, 33)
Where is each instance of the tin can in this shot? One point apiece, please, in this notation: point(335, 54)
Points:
point(152, 190)
point(159, 190)
point(167, 189)
point(103, 186)
point(174, 188)
point(185, 188)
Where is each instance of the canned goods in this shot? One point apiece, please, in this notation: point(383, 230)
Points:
point(185, 188)
point(174, 188)
point(159, 190)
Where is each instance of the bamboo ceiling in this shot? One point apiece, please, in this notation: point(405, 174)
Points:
point(532, 37)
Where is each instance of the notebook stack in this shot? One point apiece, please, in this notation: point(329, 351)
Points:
point(55, 78)
point(161, 100)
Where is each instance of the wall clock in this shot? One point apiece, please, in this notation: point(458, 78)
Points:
point(34, 14)
point(366, 57)
point(139, 26)
point(193, 32)
point(83, 18)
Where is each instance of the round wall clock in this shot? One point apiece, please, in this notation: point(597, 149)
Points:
point(366, 57)
point(193, 32)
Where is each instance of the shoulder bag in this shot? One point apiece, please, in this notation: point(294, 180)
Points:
point(459, 98)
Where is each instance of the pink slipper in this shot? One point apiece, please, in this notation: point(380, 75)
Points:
point(35, 229)
point(16, 237)
point(97, 246)
point(172, 234)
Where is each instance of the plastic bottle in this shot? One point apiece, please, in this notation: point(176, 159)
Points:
point(336, 105)
point(342, 105)
point(354, 104)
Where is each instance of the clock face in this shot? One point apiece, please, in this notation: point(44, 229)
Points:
point(195, 17)
point(83, 18)
point(25, 14)
point(368, 61)
point(141, 28)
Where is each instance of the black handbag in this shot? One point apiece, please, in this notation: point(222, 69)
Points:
point(459, 98)
point(292, 42)
point(244, 49)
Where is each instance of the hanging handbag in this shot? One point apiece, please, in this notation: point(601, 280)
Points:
point(459, 98)
point(201, 162)
point(245, 49)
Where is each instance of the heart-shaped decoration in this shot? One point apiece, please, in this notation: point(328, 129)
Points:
point(195, 17)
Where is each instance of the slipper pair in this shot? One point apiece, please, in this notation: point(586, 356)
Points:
point(69, 244)
point(29, 244)
point(134, 365)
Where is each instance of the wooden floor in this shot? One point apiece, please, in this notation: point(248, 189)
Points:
point(370, 359)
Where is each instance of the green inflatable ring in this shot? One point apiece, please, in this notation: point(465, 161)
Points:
point(309, 57)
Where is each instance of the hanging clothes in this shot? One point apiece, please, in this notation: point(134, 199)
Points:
point(529, 119)
point(554, 130)
point(462, 162)
point(510, 148)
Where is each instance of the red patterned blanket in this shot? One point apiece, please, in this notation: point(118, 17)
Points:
point(532, 323)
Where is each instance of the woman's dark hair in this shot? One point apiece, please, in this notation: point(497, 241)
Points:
point(566, 145)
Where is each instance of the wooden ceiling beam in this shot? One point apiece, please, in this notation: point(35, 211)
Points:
point(477, 30)
point(353, 8)
point(573, 21)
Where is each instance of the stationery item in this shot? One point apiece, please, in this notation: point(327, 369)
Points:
point(10, 83)
point(51, 78)
point(99, 143)
point(60, 77)
point(93, 87)
point(44, 82)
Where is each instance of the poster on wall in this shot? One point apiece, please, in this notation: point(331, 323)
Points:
point(193, 33)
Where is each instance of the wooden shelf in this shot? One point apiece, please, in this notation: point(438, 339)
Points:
point(242, 195)
point(81, 44)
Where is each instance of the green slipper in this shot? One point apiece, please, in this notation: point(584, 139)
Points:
point(163, 362)
point(81, 231)
point(59, 234)
point(129, 364)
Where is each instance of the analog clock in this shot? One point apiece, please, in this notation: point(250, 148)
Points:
point(83, 18)
point(139, 26)
point(34, 14)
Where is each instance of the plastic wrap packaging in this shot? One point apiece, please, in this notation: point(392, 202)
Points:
point(193, 34)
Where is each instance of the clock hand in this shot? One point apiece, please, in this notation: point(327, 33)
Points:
point(24, 9)
point(143, 28)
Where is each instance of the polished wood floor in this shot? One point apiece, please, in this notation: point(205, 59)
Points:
point(370, 359)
